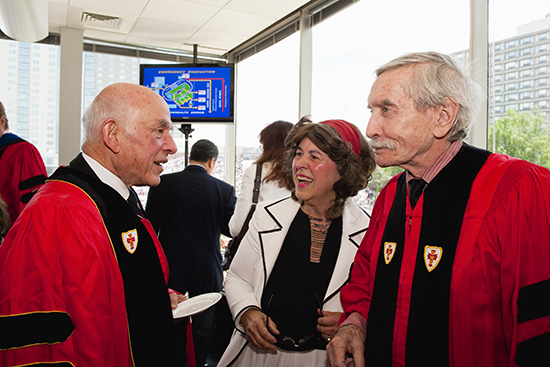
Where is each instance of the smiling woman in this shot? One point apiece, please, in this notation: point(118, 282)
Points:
point(289, 301)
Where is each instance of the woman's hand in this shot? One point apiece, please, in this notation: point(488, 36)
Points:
point(254, 324)
point(327, 323)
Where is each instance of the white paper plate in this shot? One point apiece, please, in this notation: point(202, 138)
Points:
point(196, 305)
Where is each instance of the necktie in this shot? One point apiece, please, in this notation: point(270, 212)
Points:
point(133, 201)
point(415, 190)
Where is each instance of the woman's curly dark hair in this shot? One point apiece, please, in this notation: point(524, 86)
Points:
point(355, 171)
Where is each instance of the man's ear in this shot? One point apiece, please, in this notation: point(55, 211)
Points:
point(211, 163)
point(446, 118)
point(110, 132)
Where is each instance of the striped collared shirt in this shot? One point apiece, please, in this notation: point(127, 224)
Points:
point(441, 162)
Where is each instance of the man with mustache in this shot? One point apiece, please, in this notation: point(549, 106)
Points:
point(453, 270)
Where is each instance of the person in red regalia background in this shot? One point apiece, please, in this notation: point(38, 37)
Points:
point(22, 169)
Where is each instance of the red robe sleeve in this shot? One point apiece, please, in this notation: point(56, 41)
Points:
point(23, 172)
point(57, 259)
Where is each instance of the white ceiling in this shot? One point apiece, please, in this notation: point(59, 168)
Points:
point(216, 26)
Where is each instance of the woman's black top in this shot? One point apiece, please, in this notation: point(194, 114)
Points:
point(296, 287)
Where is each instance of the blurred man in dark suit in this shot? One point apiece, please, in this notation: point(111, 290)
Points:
point(189, 210)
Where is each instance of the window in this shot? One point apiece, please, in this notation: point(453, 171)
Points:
point(543, 47)
point(511, 86)
point(542, 70)
point(526, 51)
point(542, 81)
point(510, 97)
point(526, 84)
point(512, 106)
point(498, 57)
point(543, 104)
point(543, 36)
point(498, 109)
point(526, 62)
point(511, 54)
point(526, 106)
point(543, 92)
point(498, 77)
point(511, 65)
point(498, 99)
point(525, 40)
point(512, 43)
point(512, 75)
point(498, 88)
point(498, 67)
point(526, 95)
point(525, 73)
point(498, 46)
point(542, 59)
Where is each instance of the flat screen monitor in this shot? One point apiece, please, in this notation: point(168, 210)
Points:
point(194, 92)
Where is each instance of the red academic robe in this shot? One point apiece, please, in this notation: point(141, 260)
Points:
point(58, 258)
point(500, 277)
point(22, 171)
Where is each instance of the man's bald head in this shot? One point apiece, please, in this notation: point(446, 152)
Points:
point(128, 132)
point(121, 102)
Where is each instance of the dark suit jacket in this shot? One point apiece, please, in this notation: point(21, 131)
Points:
point(189, 210)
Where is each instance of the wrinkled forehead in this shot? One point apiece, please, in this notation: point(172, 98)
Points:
point(391, 85)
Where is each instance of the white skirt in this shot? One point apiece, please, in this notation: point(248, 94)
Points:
point(281, 358)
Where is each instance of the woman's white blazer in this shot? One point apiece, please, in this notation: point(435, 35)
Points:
point(258, 252)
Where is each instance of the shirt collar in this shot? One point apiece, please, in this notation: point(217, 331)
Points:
point(107, 177)
point(440, 163)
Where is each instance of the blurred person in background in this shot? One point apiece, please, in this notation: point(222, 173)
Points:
point(22, 170)
point(189, 210)
point(275, 182)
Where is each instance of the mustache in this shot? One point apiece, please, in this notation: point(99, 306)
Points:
point(376, 143)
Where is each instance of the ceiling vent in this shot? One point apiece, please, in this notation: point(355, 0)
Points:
point(100, 20)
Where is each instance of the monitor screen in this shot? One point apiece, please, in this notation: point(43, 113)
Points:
point(194, 92)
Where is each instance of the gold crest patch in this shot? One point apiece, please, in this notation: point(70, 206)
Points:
point(432, 256)
point(389, 251)
point(130, 240)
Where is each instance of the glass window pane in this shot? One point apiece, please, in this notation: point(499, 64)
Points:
point(524, 31)
point(349, 46)
point(15, 93)
point(268, 90)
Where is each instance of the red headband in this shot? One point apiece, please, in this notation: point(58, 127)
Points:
point(347, 132)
